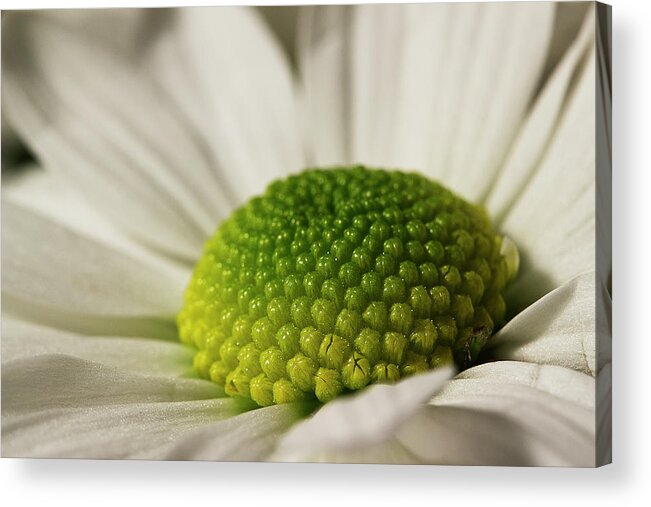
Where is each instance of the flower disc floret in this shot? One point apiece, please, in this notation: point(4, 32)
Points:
point(335, 279)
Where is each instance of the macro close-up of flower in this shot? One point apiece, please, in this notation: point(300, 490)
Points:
point(370, 238)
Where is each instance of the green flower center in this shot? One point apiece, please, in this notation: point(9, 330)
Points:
point(336, 279)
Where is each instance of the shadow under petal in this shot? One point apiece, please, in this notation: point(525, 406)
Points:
point(528, 287)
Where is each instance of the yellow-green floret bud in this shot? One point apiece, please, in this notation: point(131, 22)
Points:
point(334, 279)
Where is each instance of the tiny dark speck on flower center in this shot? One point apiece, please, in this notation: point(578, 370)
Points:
point(335, 279)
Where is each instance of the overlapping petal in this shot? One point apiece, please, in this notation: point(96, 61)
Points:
point(539, 125)
point(146, 356)
point(116, 129)
point(69, 395)
point(553, 216)
point(325, 70)
point(558, 329)
point(55, 275)
point(506, 413)
point(59, 406)
point(47, 194)
point(365, 419)
point(250, 436)
point(243, 100)
point(414, 86)
point(59, 380)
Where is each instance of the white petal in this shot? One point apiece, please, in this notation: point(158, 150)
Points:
point(504, 413)
point(539, 125)
point(478, 382)
point(51, 273)
point(58, 406)
point(399, 54)
point(509, 50)
point(362, 419)
point(423, 84)
point(88, 109)
point(514, 414)
point(58, 381)
point(131, 430)
point(282, 22)
point(569, 18)
point(251, 436)
point(227, 72)
point(21, 340)
point(553, 218)
point(118, 29)
point(558, 329)
point(46, 193)
point(325, 71)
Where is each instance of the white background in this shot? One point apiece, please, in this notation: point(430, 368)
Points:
point(626, 482)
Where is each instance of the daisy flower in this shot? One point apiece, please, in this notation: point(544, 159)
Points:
point(150, 127)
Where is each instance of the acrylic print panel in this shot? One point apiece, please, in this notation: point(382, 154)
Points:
point(370, 233)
